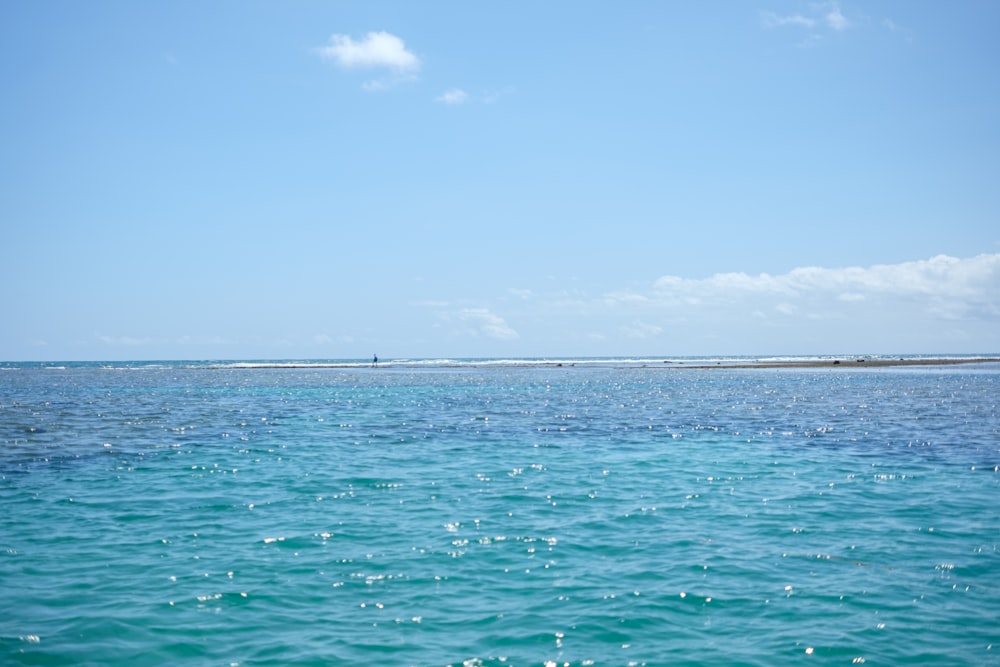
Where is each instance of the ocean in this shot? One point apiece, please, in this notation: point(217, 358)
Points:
point(498, 512)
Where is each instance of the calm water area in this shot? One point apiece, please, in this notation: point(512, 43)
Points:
point(499, 515)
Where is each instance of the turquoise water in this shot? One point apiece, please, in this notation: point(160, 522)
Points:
point(500, 515)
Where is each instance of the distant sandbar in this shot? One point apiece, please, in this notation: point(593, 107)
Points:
point(675, 364)
point(860, 362)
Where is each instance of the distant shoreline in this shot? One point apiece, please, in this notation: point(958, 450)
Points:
point(749, 364)
point(667, 364)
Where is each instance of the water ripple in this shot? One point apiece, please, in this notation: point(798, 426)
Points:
point(498, 517)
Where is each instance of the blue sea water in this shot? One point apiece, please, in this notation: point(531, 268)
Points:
point(498, 514)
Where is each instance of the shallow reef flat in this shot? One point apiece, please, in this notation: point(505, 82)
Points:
point(846, 362)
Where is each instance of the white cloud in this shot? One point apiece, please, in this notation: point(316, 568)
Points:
point(376, 85)
point(965, 284)
point(376, 50)
point(614, 298)
point(638, 329)
point(826, 14)
point(458, 96)
point(835, 19)
point(482, 322)
point(941, 275)
point(785, 308)
point(772, 20)
point(940, 304)
point(455, 96)
point(892, 26)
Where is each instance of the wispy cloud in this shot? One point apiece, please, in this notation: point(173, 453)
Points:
point(772, 20)
point(474, 322)
point(821, 18)
point(453, 97)
point(487, 324)
point(639, 329)
point(459, 96)
point(785, 308)
point(471, 322)
point(836, 19)
point(375, 51)
point(894, 27)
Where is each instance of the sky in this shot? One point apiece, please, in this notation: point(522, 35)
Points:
point(336, 179)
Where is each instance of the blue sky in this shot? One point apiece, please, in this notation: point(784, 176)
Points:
point(221, 180)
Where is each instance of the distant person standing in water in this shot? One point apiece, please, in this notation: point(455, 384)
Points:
point(374, 360)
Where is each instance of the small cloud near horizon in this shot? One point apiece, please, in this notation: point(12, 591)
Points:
point(969, 285)
point(638, 329)
point(479, 322)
